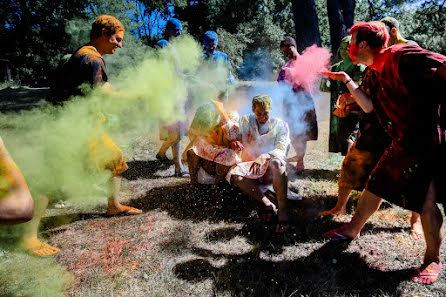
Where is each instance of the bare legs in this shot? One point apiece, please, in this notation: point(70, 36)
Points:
point(416, 228)
point(114, 206)
point(367, 205)
point(276, 174)
point(173, 142)
point(300, 146)
point(341, 204)
point(194, 162)
point(432, 221)
point(30, 241)
point(17, 207)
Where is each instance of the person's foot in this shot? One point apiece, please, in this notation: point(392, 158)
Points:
point(122, 209)
point(427, 273)
point(268, 213)
point(340, 234)
point(181, 173)
point(161, 158)
point(333, 212)
point(416, 231)
point(299, 169)
point(39, 248)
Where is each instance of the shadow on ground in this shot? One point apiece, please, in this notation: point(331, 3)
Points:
point(145, 169)
point(325, 272)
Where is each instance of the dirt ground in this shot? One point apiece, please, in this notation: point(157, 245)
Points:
point(222, 248)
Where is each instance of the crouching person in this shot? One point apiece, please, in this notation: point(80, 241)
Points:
point(265, 141)
point(210, 150)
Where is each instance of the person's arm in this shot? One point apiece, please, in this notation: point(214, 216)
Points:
point(363, 100)
point(230, 128)
point(16, 204)
point(282, 141)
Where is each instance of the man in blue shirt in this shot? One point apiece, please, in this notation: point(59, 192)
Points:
point(216, 65)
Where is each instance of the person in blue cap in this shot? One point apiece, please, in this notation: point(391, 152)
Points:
point(217, 65)
point(172, 133)
point(174, 28)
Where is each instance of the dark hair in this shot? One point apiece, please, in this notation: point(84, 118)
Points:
point(374, 33)
point(288, 41)
point(107, 22)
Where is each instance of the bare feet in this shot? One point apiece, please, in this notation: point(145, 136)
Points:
point(39, 248)
point(122, 209)
point(416, 230)
point(427, 273)
point(333, 212)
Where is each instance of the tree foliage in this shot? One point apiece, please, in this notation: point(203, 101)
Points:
point(40, 32)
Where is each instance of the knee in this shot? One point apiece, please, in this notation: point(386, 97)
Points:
point(191, 155)
point(276, 165)
point(237, 180)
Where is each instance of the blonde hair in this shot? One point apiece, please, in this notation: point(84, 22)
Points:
point(107, 22)
point(263, 101)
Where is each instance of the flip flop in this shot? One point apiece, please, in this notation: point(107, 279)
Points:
point(428, 275)
point(335, 235)
point(128, 210)
point(183, 173)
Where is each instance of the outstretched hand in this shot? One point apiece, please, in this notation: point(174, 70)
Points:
point(342, 76)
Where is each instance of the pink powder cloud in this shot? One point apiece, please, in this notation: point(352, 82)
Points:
point(304, 72)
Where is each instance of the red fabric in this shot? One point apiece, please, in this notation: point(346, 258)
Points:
point(404, 100)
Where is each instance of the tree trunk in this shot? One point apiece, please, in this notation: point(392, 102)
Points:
point(340, 17)
point(306, 23)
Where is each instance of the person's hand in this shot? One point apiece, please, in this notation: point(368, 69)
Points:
point(237, 146)
point(218, 105)
point(344, 99)
point(255, 167)
point(342, 76)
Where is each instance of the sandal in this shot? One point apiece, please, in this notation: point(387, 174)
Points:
point(428, 275)
point(183, 173)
